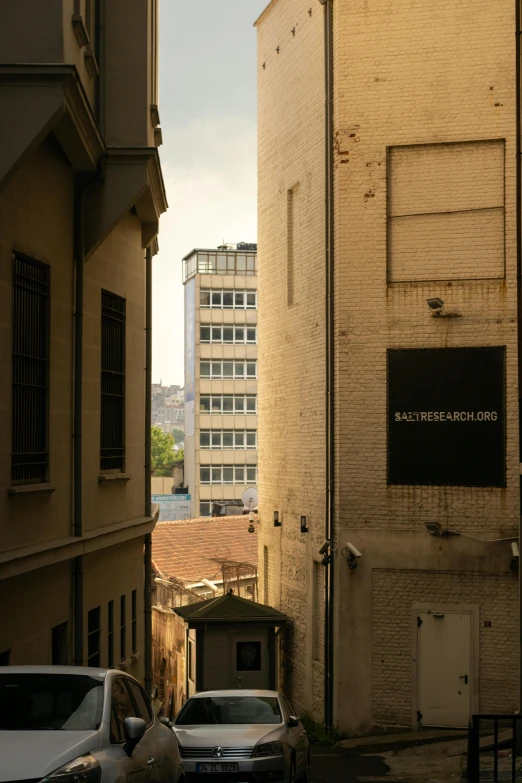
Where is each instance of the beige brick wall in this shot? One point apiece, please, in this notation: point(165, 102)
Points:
point(394, 594)
point(291, 338)
point(409, 74)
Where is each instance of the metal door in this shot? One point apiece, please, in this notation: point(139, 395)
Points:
point(445, 675)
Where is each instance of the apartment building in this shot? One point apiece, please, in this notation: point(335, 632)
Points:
point(389, 544)
point(81, 193)
point(220, 374)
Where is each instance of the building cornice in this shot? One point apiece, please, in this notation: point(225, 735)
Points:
point(37, 100)
point(31, 558)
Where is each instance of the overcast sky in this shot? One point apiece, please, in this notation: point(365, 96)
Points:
point(208, 118)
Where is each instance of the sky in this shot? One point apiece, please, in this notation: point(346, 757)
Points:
point(208, 118)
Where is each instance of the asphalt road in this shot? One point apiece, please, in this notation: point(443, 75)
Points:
point(333, 765)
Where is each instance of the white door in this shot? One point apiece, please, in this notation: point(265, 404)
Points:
point(445, 675)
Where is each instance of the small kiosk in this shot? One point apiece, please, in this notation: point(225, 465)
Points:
point(231, 643)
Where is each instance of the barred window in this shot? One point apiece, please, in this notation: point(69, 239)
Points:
point(112, 436)
point(30, 382)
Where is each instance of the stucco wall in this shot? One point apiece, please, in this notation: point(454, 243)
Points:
point(36, 218)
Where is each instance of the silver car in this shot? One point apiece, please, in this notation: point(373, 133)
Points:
point(242, 736)
point(80, 725)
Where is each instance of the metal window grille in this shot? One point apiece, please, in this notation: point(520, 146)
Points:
point(123, 628)
point(134, 621)
point(93, 636)
point(112, 436)
point(110, 634)
point(30, 410)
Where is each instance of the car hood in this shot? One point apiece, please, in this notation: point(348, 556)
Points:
point(26, 755)
point(228, 736)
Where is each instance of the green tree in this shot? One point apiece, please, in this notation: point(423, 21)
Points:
point(179, 435)
point(163, 455)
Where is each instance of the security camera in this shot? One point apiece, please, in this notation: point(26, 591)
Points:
point(515, 557)
point(353, 551)
point(325, 547)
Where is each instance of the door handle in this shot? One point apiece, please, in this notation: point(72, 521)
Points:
point(464, 677)
point(150, 762)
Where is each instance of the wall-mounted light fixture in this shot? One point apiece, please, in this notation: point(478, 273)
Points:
point(277, 523)
point(436, 306)
point(304, 528)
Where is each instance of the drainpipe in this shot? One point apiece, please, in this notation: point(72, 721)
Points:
point(518, 52)
point(330, 368)
point(148, 503)
point(77, 426)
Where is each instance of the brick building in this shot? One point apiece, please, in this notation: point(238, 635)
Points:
point(419, 433)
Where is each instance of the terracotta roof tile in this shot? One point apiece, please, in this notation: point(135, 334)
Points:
point(195, 548)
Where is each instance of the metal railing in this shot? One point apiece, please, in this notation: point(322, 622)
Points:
point(494, 745)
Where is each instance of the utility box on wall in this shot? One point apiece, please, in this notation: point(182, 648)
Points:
point(446, 417)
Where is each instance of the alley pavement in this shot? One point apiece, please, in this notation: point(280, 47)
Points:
point(410, 757)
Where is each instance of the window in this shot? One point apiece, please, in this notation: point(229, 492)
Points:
point(228, 474)
point(134, 621)
point(228, 439)
point(191, 659)
point(30, 380)
point(227, 369)
point(36, 701)
point(5, 658)
point(141, 702)
point(123, 628)
point(110, 634)
point(205, 506)
point(231, 335)
point(122, 707)
point(228, 300)
point(233, 710)
point(112, 437)
point(225, 403)
point(60, 645)
point(93, 637)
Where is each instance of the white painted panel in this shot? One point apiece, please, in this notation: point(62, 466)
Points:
point(444, 663)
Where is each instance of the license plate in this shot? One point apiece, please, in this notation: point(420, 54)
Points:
point(217, 767)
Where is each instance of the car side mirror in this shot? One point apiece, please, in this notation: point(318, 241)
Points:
point(165, 721)
point(293, 722)
point(134, 729)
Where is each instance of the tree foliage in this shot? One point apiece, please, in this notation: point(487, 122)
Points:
point(163, 455)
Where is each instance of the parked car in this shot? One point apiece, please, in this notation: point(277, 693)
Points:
point(243, 736)
point(80, 725)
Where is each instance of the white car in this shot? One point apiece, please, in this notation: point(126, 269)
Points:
point(241, 736)
point(67, 724)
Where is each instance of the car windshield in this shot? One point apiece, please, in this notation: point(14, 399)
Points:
point(227, 710)
point(38, 702)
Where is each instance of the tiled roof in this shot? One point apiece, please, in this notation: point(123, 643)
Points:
point(195, 548)
point(229, 607)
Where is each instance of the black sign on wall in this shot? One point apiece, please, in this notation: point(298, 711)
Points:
point(446, 417)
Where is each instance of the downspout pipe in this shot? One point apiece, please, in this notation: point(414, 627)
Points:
point(148, 502)
point(77, 424)
point(518, 68)
point(329, 366)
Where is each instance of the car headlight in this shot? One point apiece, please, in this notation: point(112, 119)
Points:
point(270, 749)
point(84, 769)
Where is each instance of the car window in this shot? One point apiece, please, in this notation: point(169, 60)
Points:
point(143, 707)
point(121, 708)
point(227, 710)
point(38, 701)
point(288, 707)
